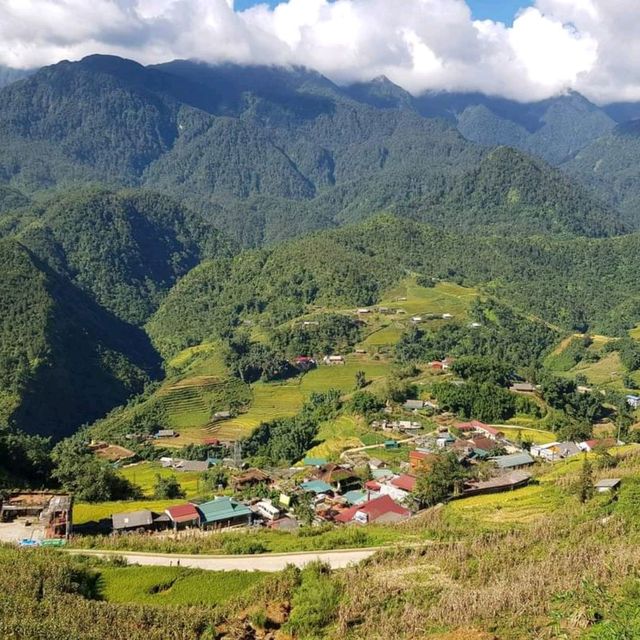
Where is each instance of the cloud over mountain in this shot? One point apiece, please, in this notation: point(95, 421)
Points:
point(588, 45)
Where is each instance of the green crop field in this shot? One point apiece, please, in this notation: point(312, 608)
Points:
point(144, 476)
point(173, 585)
point(607, 371)
point(387, 335)
point(84, 512)
point(537, 436)
point(204, 359)
point(342, 377)
point(445, 297)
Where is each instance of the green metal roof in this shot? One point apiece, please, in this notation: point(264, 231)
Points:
point(222, 509)
point(355, 496)
point(316, 486)
point(513, 460)
point(314, 462)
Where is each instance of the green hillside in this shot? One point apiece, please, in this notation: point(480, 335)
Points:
point(126, 249)
point(269, 154)
point(63, 359)
point(609, 165)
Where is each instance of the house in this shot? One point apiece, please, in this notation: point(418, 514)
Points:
point(166, 433)
point(133, 520)
point(482, 443)
point(316, 486)
point(513, 461)
point(224, 512)
point(250, 478)
point(381, 510)
point(413, 405)
point(475, 325)
point(53, 511)
point(221, 415)
point(604, 443)
point(444, 440)
point(314, 462)
point(195, 466)
point(633, 401)
point(490, 432)
point(446, 316)
point(416, 319)
point(404, 482)
point(608, 485)
point(391, 444)
point(333, 360)
point(183, 515)
point(337, 476)
point(363, 311)
point(355, 496)
point(409, 425)
point(310, 323)
point(304, 363)
point(420, 459)
point(522, 387)
point(376, 463)
point(555, 450)
point(506, 482)
point(382, 474)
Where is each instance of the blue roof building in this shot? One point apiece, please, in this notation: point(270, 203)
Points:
point(224, 512)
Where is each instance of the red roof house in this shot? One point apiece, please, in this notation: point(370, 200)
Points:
point(405, 482)
point(382, 509)
point(372, 485)
point(476, 425)
point(183, 514)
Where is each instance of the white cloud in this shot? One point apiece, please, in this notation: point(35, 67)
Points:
point(588, 45)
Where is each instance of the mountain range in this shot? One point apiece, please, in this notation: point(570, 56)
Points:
point(146, 209)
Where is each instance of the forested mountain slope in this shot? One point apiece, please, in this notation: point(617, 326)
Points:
point(573, 283)
point(264, 153)
point(611, 165)
point(125, 249)
point(63, 359)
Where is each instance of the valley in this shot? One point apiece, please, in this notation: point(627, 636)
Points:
point(247, 310)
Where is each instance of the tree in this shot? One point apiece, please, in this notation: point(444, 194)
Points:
point(585, 488)
point(89, 478)
point(361, 380)
point(167, 488)
point(440, 481)
point(215, 478)
point(304, 509)
point(365, 403)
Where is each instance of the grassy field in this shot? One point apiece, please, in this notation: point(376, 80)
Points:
point(342, 377)
point(445, 297)
point(144, 476)
point(172, 585)
point(84, 512)
point(537, 436)
point(346, 432)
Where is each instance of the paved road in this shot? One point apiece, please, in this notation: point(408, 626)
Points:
point(259, 562)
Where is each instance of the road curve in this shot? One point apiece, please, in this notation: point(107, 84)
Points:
point(259, 562)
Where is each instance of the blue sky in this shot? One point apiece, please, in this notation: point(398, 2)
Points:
point(502, 10)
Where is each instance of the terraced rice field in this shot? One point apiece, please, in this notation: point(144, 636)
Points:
point(342, 377)
point(521, 506)
point(172, 585)
point(537, 436)
point(270, 401)
point(144, 476)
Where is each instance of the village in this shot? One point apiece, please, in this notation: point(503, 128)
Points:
point(360, 489)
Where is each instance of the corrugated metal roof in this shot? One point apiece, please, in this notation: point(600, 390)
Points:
point(355, 497)
point(132, 519)
point(316, 486)
point(513, 460)
point(222, 509)
point(183, 513)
